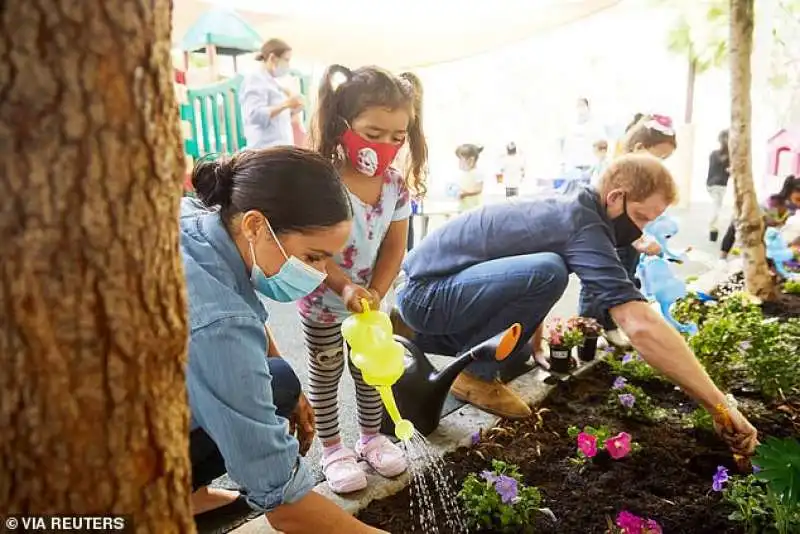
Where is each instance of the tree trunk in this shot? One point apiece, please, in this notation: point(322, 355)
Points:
point(93, 415)
point(691, 76)
point(749, 221)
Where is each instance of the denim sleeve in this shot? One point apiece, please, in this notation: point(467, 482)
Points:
point(591, 255)
point(255, 104)
point(230, 392)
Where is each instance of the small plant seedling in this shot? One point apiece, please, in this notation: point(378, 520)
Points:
point(792, 287)
point(632, 402)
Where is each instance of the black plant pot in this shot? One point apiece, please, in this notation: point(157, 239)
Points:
point(560, 359)
point(588, 350)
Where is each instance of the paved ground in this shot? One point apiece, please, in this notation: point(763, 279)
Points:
point(285, 325)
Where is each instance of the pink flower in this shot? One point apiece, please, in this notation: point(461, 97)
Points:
point(587, 444)
point(630, 523)
point(651, 526)
point(619, 446)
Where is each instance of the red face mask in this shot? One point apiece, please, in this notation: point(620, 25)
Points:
point(368, 157)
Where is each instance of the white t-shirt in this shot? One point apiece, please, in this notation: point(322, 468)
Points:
point(579, 143)
point(512, 167)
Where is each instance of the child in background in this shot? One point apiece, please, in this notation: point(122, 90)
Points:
point(361, 124)
point(470, 183)
point(777, 211)
point(512, 171)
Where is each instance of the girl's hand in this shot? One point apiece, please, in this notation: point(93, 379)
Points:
point(353, 294)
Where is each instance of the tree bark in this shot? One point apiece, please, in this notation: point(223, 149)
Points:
point(93, 333)
point(691, 77)
point(749, 221)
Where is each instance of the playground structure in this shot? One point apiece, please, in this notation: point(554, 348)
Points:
point(210, 114)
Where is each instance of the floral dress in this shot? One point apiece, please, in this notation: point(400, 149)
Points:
point(357, 260)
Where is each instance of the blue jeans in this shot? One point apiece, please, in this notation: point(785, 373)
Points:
point(451, 314)
point(587, 306)
point(207, 461)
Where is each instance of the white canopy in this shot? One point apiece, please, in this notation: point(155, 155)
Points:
point(394, 34)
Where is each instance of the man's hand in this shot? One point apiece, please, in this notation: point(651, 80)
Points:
point(302, 424)
point(353, 294)
point(736, 431)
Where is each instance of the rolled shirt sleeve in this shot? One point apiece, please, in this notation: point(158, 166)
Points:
point(230, 390)
point(255, 103)
point(591, 255)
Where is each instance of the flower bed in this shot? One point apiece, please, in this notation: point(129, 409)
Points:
point(619, 447)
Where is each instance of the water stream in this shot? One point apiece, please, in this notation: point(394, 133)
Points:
point(432, 487)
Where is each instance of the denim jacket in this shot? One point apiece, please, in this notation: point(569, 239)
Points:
point(227, 378)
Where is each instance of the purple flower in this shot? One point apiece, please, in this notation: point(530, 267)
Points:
point(476, 437)
point(506, 487)
point(489, 477)
point(720, 478)
point(619, 383)
point(744, 346)
point(627, 400)
point(627, 358)
point(610, 349)
point(756, 469)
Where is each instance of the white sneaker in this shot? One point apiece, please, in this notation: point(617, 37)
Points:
point(618, 338)
point(384, 456)
point(342, 471)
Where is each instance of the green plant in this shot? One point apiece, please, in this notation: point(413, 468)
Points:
point(499, 501)
point(699, 419)
point(561, 333)
point(633, 367)
point(792, 287)
point(770, 357)
point(632, 402)
point(748, 498)
point(691, 309)
point(778, 462)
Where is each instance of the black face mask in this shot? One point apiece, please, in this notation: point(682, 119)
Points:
point(625, 230)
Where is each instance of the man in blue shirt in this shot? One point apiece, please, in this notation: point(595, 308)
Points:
point(507, 263)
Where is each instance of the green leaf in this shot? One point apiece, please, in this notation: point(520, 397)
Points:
point(779, 463)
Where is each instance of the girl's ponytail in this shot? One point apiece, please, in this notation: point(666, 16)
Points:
point(417, 158)
point(327, 125)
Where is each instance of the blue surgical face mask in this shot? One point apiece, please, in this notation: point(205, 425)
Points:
point(293, 281)
point(281, 69)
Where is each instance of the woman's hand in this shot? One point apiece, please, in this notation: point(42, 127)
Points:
point(736, 431)
point(353, 294)
point(302, 424)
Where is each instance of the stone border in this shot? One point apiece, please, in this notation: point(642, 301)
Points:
point(454, 431)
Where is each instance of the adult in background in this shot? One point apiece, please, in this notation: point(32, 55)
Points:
point(254, 231)
point(719, 172)
point(577, 145)
point(510, 262)
point(267, 108)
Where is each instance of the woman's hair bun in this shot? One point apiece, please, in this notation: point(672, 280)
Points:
point(212, 180)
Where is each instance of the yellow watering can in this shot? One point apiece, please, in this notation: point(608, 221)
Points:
point(379, 357)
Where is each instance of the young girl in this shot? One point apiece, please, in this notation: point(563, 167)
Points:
point(470, 183)
point(360, 124)
point(653, 134)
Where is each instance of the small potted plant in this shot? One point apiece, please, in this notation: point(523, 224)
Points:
point(591, 330)
point(562, 337)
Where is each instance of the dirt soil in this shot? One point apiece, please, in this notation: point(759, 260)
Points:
point(669, 480)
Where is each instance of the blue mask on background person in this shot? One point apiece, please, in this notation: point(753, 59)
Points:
point(280, 70)
point(293, 281)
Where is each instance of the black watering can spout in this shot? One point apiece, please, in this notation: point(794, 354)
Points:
point(421, 391)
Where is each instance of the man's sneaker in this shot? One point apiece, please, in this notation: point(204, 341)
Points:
point(384, 456)
point(342, 471)
point(618, 338)
point(489, 395)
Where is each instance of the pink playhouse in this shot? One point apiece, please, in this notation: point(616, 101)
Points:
point(783, 153)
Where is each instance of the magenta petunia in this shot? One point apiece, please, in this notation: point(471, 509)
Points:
point(619, 446)
point(587, 444)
